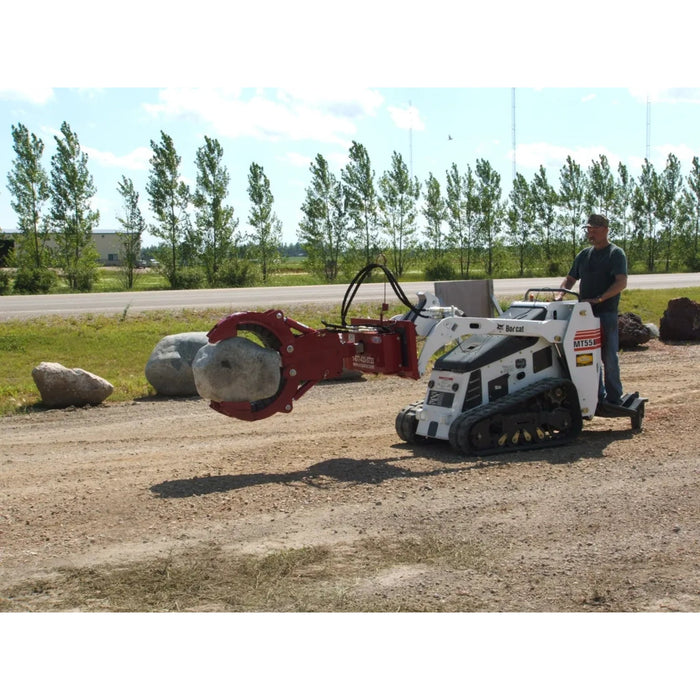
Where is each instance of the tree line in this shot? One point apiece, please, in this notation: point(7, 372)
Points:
point(457, 227)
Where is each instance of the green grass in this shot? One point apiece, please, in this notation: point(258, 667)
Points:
point(118, 347)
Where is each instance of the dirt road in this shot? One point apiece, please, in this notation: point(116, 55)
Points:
point(154, 486)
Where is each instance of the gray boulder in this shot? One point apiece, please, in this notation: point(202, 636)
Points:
point(61, 387)
point(236, 369)
point(169, 368)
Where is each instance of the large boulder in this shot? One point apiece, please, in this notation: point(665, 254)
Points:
point(681, 320)
point(169, 368)
point(632, 331)
point(237, 369)
point(61, 387)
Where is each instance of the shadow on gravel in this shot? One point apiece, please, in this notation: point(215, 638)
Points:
point(359, 471)
point(374, 471)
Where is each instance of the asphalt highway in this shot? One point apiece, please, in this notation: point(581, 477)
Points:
point(241, 299)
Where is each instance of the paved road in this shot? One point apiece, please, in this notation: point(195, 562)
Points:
point(12, 307)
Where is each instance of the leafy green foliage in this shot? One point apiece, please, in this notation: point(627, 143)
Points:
point(72, 216)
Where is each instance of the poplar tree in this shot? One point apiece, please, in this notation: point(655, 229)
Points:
point(572, 201)
point(398, 212)
point(434, 211)
point(520, 219)
point(462, 210)
point(645, 210)
point(28, 184)
point(358, 178)
point(267, 228)
point(491, 209)
point(323, 228)
point(690, 231)
point(545, 200)
point(214, 219)
point(133, 225)
point(169, 197)
point(670, 187)
point(72, 217)
point(600, 196)
point(622, 211)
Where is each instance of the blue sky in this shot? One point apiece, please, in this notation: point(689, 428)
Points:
point(558, 108)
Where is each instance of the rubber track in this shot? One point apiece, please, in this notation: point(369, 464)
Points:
point(463, 424)
point(406, 423)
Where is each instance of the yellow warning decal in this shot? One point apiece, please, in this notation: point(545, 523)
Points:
point(583, 359)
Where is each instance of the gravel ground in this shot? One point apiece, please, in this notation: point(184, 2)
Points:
point(608, 523)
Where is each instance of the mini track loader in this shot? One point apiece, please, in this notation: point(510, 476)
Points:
point(523, 380)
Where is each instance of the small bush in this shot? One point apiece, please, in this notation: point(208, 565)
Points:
point(237, 273)
point(440, 270)
point(5, 282)
point(85, 279)
point(34, 281)
point(187, 278)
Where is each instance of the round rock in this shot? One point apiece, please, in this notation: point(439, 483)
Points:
point(236, 369)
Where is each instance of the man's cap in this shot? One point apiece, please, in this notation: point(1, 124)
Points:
point(596, 220)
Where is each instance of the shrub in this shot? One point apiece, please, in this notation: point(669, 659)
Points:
point(34, 280)
point(187, 278)
point(5, 282)
point(440, 270)
point(237, 273)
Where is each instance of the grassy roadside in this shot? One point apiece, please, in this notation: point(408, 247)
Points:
point(117, 348)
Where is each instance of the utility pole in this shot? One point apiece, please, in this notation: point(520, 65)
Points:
point(648, 127)
point(410, 138)
point(513, 121)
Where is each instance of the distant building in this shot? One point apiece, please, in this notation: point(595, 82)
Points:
point(107, 242)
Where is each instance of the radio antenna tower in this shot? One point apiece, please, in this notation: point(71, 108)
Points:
point(648, 127)
point(513, 119)
point(410, 138)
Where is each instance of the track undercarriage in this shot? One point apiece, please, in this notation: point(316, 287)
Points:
point(545, 414)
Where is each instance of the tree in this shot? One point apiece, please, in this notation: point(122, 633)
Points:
point(267, 229)
point(133, 225)
point(545, 201)
point(690, 208)
point(323, 230)
point(491, 209)
point(398, 213)
point(572, 193)
point(622, 212)
point(645, 205)
point(462, 209)
point(169, 198)
point(670, 187)
point(28, 184)
point(72, 217)
point(520, 219)
point(213, 218)
point(600, 195)
point(434, 211)
point(358, 178)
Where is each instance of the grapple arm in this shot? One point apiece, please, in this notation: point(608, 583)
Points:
point(308, 356)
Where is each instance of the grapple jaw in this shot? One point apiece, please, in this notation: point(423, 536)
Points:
point(308, 356)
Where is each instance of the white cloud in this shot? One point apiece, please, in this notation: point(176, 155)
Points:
point(138, 159)
point(407, 118)
point(298, 160)
point(666, 95)
point(589, 97)
point(317, 115)
point(532, 155)
point(38, 96)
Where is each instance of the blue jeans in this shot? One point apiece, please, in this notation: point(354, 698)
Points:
point(610, 387)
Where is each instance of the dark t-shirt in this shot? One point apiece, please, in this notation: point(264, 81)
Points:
point(597, 270)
